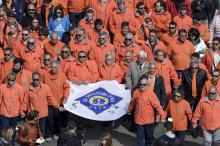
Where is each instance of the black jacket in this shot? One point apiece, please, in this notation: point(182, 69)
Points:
point(201, 78)
point(164, 140)
point(26, 20)
point(68, 139)
point(159, 90)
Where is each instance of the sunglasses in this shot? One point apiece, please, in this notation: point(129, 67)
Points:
point(58, 12)
point(177, 95)
point(172, 27)
point(143, 84)
point(7, 54)
point(65, 52)
point(78, 35)
point(215, 44)
point(25, 34)
point(11, 79)
point(82, 56)
point(46, 59)
point(36, 79)
point(194, 68)
point(31, 43)
point(212, 93)
point(31, 10)
point(128, 39)
point(215, 76)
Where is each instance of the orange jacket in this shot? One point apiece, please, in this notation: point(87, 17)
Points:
point(180, 112)
point(131, 4)
point(149, 4)
point(87, 71)
point(118, 39)
point(141, 35)
point(77, 6)
point(5, 68)
point(150, 51)
point(85, 46)
point(11, 41)
point(43, 70)
point(111, 72)
point(24, 78)
point(144, 105)
point(103, 11)
point(86, 25)
point(93, 34)
point(18, 48)
point(208, 60)
point(98, 53)
point(168, 72)
point(208, 84)
point(117, 18)
point(38, 99)
point(202, 66)
point(124, 68)
point(121, 50)
point(161, 21)
point(32, 59)
point(180, 58)
point(66, 64)
point(183, 22)
point(168, 38)
point(53, 50)
point(59, 86)
point(204, 31)
point(33, 133)
point(209, 112)
point(11, 99)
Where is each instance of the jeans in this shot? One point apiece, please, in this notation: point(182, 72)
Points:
point(145, 134)
point(42, 124)
point(211, 137)
point(53, 123)
point(9, 122)
point(75, 18)
point(181, 136)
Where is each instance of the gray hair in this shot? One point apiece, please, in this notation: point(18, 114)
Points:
point(142, 53)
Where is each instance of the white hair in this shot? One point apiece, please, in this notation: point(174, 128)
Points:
point(142, 53)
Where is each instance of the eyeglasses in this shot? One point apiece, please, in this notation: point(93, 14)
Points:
point(82, 56)
point(194, 68)
point(143, 84)
point(32, 10)
point(212, 93)
point(128, 39)
point(46, 59)
point(25, 34)
point(215, 76)
point(36, 79)
point(215, 44)
point(177, 95)
point(58, 12)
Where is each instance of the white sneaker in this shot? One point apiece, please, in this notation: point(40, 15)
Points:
point(48, 139)
point(55, 137)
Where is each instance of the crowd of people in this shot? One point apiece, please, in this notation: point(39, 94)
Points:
point(165, 51)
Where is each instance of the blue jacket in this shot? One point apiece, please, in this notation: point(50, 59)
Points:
point(59, 26)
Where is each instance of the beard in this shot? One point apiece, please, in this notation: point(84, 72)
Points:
point(16, 70)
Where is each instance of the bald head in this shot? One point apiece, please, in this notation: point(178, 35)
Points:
point(54, 38)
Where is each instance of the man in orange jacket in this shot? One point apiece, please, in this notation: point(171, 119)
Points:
point(54, 46)
point(98, 52)
point(37, 97)
point(110, 70)
point(209, 112)
point(11, 98)
point(120, 35)
point(152, 44)
point(144, 103)
point(23, 76)
point(127, 45)
point(120, 15)
point(57, 81)
point(180, 111)
point(83, 71)
point(76, 10)
point(166, 69)
point(6, 64)
point(215, 81)
point(88, 22)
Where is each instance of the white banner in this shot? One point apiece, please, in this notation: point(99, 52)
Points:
point(101, 101)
